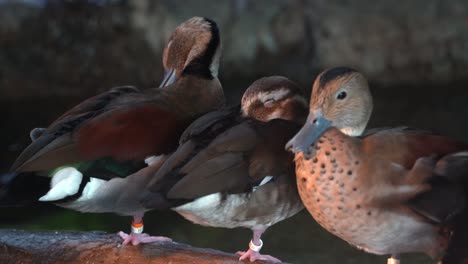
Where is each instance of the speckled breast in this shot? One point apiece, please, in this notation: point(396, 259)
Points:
point(333, 189)
point(328, 187)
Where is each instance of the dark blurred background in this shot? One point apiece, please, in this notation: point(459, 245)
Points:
point(53, 54)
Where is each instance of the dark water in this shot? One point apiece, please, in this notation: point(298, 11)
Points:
point(296, 240)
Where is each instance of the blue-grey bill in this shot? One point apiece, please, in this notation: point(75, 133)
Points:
point(313, 128)
point(169, 78)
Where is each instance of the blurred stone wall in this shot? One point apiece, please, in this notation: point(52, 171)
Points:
point(76, 48)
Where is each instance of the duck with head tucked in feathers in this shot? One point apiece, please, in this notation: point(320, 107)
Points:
point(96, 144)
point(387, 191)
point(231, 169)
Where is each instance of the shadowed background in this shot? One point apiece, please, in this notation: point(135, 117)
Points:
point(53, 54)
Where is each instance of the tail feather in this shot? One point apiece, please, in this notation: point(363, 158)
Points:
point(456, 168)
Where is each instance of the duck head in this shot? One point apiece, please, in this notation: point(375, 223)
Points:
point(341, 99)
point(194, 48)
point(274, 97)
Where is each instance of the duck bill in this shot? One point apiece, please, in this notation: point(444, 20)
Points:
point(313, 128)
point(169, 78)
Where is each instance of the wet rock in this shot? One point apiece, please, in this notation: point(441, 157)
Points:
point(98, 247)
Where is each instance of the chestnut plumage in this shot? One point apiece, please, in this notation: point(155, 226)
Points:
point(389, 191)
point(103, 142)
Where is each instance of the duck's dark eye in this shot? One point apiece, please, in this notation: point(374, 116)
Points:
point(341, 96)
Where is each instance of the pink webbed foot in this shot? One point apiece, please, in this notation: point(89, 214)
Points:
point(255, 255)
point(142, 238)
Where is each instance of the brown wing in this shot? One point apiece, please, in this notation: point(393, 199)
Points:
point(124, 124)
point(269, 157)
point(431, 163)
point(95, 103)
point(194, 139)
point(211, 123)
point(237, 160)
point(448, 195)
point(404, 146)
point(219, 166)
point(130, 133)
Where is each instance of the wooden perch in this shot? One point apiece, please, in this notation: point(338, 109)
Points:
point(17, 246)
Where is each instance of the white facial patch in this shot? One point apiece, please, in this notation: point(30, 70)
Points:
point(65, 182)
point(274, 95)
point(263, 97)
point(353, 131)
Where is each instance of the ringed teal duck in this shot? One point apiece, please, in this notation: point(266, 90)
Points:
point(98, 144)
point(388, 191)
point(231, 171)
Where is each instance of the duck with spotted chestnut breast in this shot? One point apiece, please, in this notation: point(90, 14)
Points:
point(389, 191)
point(98, 144)
point(231, 171)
